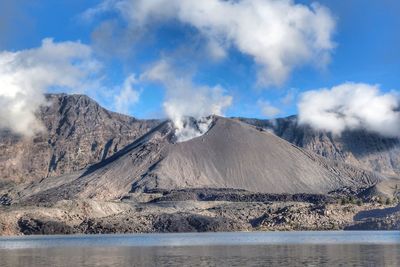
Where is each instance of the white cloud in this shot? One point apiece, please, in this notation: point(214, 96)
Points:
point(127, 96)
point(267, 109)
point(351, 106)
point(25, 75)
point(185, 99)
point(278, 35)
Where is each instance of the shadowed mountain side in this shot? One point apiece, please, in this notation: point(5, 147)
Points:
point(376, 213)
point(231, 154)
point(140, 141)
point(359, 148)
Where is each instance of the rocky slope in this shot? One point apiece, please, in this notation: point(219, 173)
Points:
point(359, 148)
point(78, 133)
point(231, 154)
point(167, 215)
point(234, 155)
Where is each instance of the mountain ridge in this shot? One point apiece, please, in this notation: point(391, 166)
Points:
point(78, 132)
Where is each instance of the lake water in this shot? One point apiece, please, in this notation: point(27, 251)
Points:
point(206, 249)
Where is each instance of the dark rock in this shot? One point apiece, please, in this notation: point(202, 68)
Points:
point(238, 195)
point(99, 226)
point(5, 200)
point(183, 222)
point(30, 226)
point(372, 224)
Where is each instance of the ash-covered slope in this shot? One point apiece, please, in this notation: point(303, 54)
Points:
point(79, 132)
point(232, 154)
point(359, 148)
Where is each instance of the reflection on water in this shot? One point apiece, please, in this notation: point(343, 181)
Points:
point(275, 255)
point(264, 253)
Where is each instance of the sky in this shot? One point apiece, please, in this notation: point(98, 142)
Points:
point(250, 58)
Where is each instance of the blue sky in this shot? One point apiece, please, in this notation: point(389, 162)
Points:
point(366, 35)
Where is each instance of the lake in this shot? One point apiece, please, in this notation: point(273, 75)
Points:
point(336, 248)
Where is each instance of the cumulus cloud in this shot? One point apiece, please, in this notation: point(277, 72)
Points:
point(267, 109)
point(127, 96)
point(351, 106)
point(185, 100)
point(278, 35)
point(25, 75)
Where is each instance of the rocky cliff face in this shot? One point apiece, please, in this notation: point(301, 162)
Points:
point(79, 132)
point(359, 148)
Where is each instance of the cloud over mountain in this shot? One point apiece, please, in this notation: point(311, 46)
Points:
point(25, 75)
point(351, 106)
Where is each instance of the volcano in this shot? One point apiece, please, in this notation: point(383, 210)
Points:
point(231, 154)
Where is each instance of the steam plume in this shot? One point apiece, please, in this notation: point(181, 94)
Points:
point(185, 100)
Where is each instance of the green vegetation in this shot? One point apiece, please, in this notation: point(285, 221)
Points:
point(351, 200)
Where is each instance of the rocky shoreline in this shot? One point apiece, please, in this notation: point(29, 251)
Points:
point(198, 210)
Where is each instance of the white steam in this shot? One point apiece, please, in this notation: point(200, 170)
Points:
point(185, 100)
point(188, 128)
point(278, 35)
point(26, 74)
point(351, 106)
